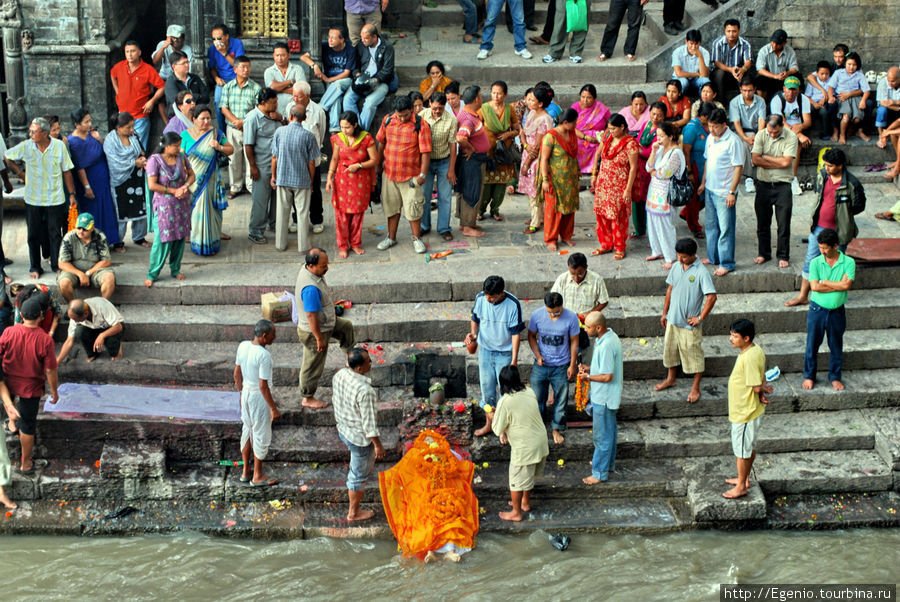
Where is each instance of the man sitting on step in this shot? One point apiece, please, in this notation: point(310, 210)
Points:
point(97, 324)
point(252, 377)
point(317, 324)
point(84, 260)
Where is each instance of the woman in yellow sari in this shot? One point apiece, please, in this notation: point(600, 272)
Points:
point(428, 500)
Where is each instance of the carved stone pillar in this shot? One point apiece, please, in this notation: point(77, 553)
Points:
point(11, 24)
point(314, 47)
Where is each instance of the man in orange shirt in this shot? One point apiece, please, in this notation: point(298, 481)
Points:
point(404, 142)
point(134, 81)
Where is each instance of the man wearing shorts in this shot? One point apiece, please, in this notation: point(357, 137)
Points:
point(354, 399)
point(29, 361)
point(252, 377)
point(683, 314)
point(747, 401)
point(84, 260)
point(404, 140)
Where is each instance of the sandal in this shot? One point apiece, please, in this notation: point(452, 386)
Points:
point(602, 57)
point(600, 251)
point(699, 234)
point(885, 215)
point(619, 255)
point(497, 217)
point(530, 230)
point(447, 236)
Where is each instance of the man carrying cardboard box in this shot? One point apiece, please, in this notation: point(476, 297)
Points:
point(317, 323)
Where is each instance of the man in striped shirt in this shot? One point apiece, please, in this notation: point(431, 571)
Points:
point(732, 59)
point(48, 165)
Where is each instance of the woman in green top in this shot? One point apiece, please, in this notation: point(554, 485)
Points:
point(501, 125)
point(559, 161)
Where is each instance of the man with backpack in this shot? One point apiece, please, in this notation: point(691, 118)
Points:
point(404, 141)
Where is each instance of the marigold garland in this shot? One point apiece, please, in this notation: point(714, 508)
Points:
point(582, 393)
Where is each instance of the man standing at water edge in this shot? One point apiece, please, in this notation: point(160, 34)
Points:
point(252, 375)
point(605, 376)
point(354, 401)
point(317, 323)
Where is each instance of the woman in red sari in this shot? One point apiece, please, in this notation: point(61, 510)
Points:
point(646, 137)
point(613, 185)
point(350, 180)
point(592, 118)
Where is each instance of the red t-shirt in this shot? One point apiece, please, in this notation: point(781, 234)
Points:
point(827, 218)
point(470, 127)
point(135, 88)
point(27, 353)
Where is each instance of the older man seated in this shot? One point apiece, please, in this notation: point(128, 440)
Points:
point(97, 324)
point(84, 260)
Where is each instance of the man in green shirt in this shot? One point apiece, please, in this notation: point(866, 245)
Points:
point(831, 275)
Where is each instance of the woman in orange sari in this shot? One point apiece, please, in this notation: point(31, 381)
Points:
point(613, 184)
point(350, 179)
point(428, 500)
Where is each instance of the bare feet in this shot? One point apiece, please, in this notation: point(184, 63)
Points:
point(359, 250)
point(841, 140)
point(569, 242)
point(705, 261)
point(361, 515)
point(783, 263)
point(524, 506)
point(760, 259)
point(148, 283)
point(89, 359)
point(179, 277)
point(808, 384)
point(590, 480)
point(429, 557)
point(735, 492)
point(7, 503)
point(891, 174)
point(557, 437)
point(467, 231)
point(882, 142)
point(223, 235)
point(512, 515)
point(796, 301)
point(452, 556)
point(863, 135)
point(734, 481)
point(312, 402)
point(664, 385)
point(486, 429)
point(694, 395)
point(838, 385)
point(551, 246)
point(653, 257)
point(342, 253)
point(667, 265)
point(117, 356)
point(721, 272)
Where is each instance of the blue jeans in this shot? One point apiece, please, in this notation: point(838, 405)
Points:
point(437, 170)
point(362, 463)
point(138, 230)
point(490, 363)
point(554, 376)
point(370, 104)
point(883, 116)
point(471, 16)
point(606, 434)
point(822, 322)
point(142, 131)
point(812, 250)
point(692, 83)
point(220, 119)
point(332, 103)
point(490, 23)
point(720, 224)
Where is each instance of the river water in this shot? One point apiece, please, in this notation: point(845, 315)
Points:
point(681, 566)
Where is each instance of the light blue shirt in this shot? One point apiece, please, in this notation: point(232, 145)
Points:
point(688, 63)
point(814, 93)
point(497, 323)
point(607, 359)
point(689, 289)
point(722, 157)
point(842, 82)
point(886, 92)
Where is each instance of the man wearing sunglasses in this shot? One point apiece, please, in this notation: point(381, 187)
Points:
point(84, 260)
point(182, 79)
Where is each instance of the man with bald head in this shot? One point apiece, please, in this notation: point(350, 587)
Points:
point(888, 97)
point(316, 123)
point(97, 324)
point(605, 377)
point(372, 76)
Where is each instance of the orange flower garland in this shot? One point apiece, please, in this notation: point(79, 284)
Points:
point(582, 393)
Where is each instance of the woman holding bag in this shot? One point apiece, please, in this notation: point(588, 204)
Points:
point(169, 178)
point(502, 126)
point(666, 161)
point(126, 159)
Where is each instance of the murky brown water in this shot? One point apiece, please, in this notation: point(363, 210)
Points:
point(684, 566)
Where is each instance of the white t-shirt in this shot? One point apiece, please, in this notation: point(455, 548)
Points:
point(722, 157)
point(103, 315)
point(255, 362)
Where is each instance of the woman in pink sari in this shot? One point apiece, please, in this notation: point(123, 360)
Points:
point(539, 123)
point(592, 118)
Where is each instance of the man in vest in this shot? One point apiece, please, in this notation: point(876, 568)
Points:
point(316, 324)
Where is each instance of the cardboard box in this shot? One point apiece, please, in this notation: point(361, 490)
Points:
point(273, 309)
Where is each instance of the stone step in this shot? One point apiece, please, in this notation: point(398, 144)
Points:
point(577, 448)
point(885, 422)
point(822, 472)
point(315, 444)
point(447, 16)
point(403, 364)
point(780, 433)
point(706, 484)
point(447, 321)
point(834, 510)
point(859, 152)
point(133, 460)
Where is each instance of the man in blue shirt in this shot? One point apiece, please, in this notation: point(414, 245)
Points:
point(553, 337)
point(605, 376)
point(220, 59)
point(496, 324)
point(338, 62)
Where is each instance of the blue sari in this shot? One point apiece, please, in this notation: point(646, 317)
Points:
point(207, 194)
point(88, 155)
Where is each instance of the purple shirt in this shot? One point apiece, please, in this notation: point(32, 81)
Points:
point(361, 7)
point(173, 215)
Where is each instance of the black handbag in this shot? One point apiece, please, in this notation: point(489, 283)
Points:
point(681, 189)
point(507, 155)
point(222, 160)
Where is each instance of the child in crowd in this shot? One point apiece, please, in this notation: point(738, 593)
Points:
point(818, 97)
point(747, 401)
point(845, 88)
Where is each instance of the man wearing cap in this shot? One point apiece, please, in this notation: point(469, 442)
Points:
point(84, 260)
point(797, 112)
point(28, 363)
point(97, 324)
point(174, 41)
point(775, 62)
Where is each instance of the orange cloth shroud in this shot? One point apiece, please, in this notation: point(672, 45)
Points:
point(428, 497)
